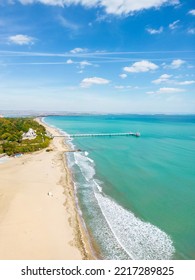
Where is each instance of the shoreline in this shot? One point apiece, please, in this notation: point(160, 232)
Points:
point(38, 215)
point(81, 235)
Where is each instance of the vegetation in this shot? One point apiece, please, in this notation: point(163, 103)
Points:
point(11, 140)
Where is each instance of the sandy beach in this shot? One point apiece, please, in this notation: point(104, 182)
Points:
point(38, 218)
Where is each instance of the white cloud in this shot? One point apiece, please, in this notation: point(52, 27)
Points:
point(186, 83)
point(123, 87)
point(191, 30)
point(81, 64)
point(84, 63)
point(46, 2)
point(141, 66)
point(67, 23)
point(125, 7)
point(175, 64)
point(166, 79)
point(119, 87)
point(69, 61)
point(192, 12)
point(166, 90)
point(78, 50)
point(174, 25)
point(162, 79)
point(117, 7)
point(21, 39)
point(154, 31)
point(87, 82)
point(169, 90)
point(102, 17)
point(123, 76)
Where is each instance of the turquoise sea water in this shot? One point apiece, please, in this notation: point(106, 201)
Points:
point(136, 195)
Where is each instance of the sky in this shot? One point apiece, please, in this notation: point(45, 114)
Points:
point(101, 56)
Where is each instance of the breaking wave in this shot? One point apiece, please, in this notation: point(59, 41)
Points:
point(86, 165)
point(140, 240)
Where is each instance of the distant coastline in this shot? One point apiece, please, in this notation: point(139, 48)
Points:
point(41, 114)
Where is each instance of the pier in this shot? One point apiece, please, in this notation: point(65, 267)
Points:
point(136, 134)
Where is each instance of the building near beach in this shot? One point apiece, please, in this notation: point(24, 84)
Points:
point(31, 134)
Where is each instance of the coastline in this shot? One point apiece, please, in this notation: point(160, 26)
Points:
point(38, 216)
point(82, 240)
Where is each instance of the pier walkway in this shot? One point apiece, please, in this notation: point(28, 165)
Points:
point(137, 134)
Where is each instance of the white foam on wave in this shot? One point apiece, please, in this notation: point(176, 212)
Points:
point(97, 185)
point(70, 143)
point(86, 165)
point(70, 160)
point(140, 240)
point(91, 160)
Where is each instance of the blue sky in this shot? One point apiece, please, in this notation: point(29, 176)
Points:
point(123, 56)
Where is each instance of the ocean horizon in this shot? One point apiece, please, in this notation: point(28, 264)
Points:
point(135, 195)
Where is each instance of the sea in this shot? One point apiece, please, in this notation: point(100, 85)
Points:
point(135, 195)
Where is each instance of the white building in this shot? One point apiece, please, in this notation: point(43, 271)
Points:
point(31, 134)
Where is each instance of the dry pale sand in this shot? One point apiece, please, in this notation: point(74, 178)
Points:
point(38, 218)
